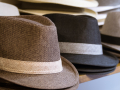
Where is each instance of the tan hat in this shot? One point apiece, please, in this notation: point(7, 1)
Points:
point(111, 31)
point(30, 55)
point(74, 3)
point(8, 10)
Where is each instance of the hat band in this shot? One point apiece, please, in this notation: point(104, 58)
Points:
point(110, 39)
point(80, 48)
point(28, 67)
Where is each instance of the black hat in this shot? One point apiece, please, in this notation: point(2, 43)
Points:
point(80, 40)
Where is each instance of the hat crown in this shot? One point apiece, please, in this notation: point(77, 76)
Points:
point(76, 29)
point(28, 38)
point(112, 25)
point(108, 2)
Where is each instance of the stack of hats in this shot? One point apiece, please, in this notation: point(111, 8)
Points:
point(8, 10)
point(80, 42)
point(104, 7)
point(111, 33)
point(73, 7)
point(30, 56)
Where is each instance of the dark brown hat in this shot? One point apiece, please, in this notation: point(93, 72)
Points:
point(30, 56)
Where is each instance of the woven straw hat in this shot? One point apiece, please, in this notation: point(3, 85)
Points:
point(8, 10)
point(30, 56)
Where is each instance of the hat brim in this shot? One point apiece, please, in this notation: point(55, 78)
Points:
point(104, 8)
point(96, 73)
point(43, 12)
point(86, 68)
point(105, 60)
point(112, 46)
point(80, 3)
point(6, 85)
point(67, 78)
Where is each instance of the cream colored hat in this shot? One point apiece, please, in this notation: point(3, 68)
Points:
point(111, 31)
point(8, 10)
point(42, 12)
point(74, 3)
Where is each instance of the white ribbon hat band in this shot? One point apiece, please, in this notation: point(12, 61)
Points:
point(29, 67)
point(80, 48)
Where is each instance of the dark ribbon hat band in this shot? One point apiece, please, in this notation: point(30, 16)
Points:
point(110, 39)
point(48, 6)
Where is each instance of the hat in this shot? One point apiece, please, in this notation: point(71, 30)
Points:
point(73, 3)
point(6, 85)
point(30, 56)
point(93, 69)
point(8, 10)
point(110, 31)
point(80, 41)
point(47, 8)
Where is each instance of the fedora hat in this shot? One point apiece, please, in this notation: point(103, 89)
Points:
point(8, 10)
point(30, 55)
point(75, 3)
point(6, 85)
point(110, 31)
point(47, 8)
point(80, 41)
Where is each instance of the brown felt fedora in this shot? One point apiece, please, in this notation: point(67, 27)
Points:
point(111, 32)
point(30, 55)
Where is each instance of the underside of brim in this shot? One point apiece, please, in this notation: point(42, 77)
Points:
point(112, 46)
point(5, 85)
point(86, 68)
point(67, 78)
point(81, 3)
point(96, 73)
point(105, 60)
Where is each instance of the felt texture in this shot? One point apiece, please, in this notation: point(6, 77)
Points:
point(34, 38)
point(6, 85)
point(81, 29)
point(29, 38)
point(78, 29)
point(108, 2)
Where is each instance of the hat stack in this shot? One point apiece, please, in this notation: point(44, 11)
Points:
point(8, 10)
point(111, 33)
point(104, 7)
point(73, 7)
point(30, 55)
point(80, 42)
